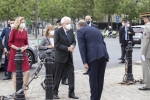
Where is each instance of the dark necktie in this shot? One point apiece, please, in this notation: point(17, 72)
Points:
point(68, 36)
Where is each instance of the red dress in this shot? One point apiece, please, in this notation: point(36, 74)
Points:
point(18, 39)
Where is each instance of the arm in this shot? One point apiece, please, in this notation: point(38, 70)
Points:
point(132, 32)
point(147, 40)
point(57, 43)
point(120, 34)
point(74, 41)
point(82, 46)
point(3, 34)
point(42, 44)
point(11, 40)
point(26, 41)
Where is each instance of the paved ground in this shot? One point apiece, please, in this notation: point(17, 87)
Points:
point(112, 90)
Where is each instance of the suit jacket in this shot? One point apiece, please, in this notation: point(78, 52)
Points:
point(145, 41)
point(61, 45)
point(93, 25)
point(44, 43)
point(3, 32)
point(91, 44)
point(123, 34)
point(7, 33)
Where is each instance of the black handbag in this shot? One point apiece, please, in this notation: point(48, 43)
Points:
point(42, 52)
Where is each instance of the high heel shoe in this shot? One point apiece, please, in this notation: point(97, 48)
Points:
point(43, 85)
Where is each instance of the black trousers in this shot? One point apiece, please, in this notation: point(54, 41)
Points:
point(6, 65)
point(1, 49)
point(96, 77)
point(59, 70)
point(124, 49)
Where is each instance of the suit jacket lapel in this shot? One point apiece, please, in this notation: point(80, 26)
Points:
point(63, 33)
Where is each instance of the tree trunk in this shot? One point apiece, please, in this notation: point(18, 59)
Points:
point(109, 17)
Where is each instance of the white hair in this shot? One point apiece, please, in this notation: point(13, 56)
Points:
point(64, 19)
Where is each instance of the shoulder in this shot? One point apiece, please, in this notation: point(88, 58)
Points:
point(94, 25)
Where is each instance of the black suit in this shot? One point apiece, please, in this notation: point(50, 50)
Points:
point(123, 40)
point(8, 49)
point(63, 58)
point(93, 25)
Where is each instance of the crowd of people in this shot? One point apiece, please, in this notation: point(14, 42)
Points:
point(62, 41)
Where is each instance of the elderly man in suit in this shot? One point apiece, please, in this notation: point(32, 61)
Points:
point(94, 56)
point(64, 43)
point(88, 20)
point(125, 36)
point(145, 52)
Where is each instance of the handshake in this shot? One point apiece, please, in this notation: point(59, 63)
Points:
point(71, 48)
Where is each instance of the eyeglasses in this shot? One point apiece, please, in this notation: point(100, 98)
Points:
point(22, 22)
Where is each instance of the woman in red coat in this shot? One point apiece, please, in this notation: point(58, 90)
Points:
point(18, 39)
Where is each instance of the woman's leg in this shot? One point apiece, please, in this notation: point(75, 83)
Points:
point(14, 80)
point(26, 79)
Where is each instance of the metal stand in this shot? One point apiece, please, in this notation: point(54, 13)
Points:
point(19, 74)
point(49, 63)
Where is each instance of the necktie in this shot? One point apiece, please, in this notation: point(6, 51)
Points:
point(67, 34)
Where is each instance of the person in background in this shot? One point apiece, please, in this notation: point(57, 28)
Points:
point(110, 30)
point(123, 24)
point(1, 52)
point(18, 39)
point(126, 35)
point(47, 43)
point(94, 56)
point(64, 43)
point(89, 23)
point(145, 52)
point(58, 23)
point(7, 49)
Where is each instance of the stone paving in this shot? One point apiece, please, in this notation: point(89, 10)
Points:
point(112, 90)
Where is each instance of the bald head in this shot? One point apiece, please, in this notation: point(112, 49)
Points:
point(88, 18)
point(81, 24)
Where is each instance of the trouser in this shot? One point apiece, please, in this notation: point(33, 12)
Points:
point(5, 67)
point(59, 70)
point(123, 47)
point(146, 72)
point(96, 77)
point(64, 76)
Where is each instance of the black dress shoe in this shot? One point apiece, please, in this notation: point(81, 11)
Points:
point(143, 88)
point(85, 73)
point(56, 96)
point(7, 78)
point(122, 62)
point(73, 97)
point(5, 74)
point(64, 82)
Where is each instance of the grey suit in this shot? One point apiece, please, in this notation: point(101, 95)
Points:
point(145, 50)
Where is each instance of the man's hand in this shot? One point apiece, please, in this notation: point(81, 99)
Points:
point(129, 32)
point(5, 50)
point(86, 66)
point(71, 48)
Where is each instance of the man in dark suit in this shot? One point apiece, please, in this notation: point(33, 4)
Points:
point(120, 28)
point(64, 42)
point(126, 34)
point(1, 38)
point(64, 76)
point(7, 49)
point(89, 23)
point(94, 56)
